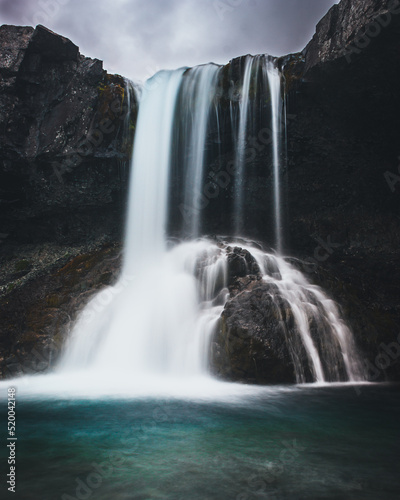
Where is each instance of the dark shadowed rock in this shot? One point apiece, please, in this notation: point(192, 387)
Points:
point(240, 264)
point(51, 46)
point(37, 314)
point(65, 141)
point(348, 28)
point(251, 344)
point(14, 41)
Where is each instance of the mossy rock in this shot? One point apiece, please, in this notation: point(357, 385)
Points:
point(22, 265)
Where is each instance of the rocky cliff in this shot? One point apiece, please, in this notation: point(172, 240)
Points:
point(63, 179)
point(66, 132)
point(61, 140)
point(343, 190)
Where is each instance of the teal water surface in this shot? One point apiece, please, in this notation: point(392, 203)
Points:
point(304, 443)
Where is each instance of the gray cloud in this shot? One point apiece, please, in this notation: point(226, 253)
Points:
point(138, 37)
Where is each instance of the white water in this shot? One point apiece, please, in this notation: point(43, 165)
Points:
point(153, 328)
point(176, 305)
point(241, 144)
point(145, 240)
point(308, 304)
point(272, 74)
point(197, 93)
point(157, 321)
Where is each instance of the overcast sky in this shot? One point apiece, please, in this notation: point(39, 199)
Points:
point(136, 38)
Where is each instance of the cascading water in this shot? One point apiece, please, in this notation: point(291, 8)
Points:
point(199, 86)
point(250, 63)
point(157, 321)
point(145, 238)
point(331, 352)
point(272, 75)
point(242, 122)
point(161, 311)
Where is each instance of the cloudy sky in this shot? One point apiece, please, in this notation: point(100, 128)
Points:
point(136, 38)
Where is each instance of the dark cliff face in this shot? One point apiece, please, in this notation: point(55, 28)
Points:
point(348, 28)
point(61, 140)
point(343, 153)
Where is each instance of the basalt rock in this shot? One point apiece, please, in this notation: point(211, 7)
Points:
point(252, 339)
point(348, 28)
point(63, 141)
point(241, 264)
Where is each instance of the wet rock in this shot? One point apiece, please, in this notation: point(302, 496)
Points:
point(251, 344)
point(38, 311)
point(240, 263)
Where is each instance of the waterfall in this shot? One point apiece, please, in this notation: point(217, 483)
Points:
point(250, 86)
point(250, 62)
point(159, 318)
point(199, 87)
point(145, 237)
point(130, 97)
point(272, 74)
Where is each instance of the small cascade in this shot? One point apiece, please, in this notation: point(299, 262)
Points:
point(130, 99)
point(319, 328)
point(129, 93)
point(242, 122)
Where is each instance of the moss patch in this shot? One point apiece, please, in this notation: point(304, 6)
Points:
point(22, 265)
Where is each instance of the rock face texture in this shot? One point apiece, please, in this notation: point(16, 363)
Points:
point(36, 314)
point(348, 28)
point(62, 154)
point(250, 344)
point(252, 319)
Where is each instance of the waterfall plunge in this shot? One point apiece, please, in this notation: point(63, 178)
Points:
point(160, 315)
point(156, 322)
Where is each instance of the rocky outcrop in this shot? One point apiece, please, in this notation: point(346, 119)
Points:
point(54, 283)
point(277, 328)
point(250, 344)
point(348, 28)
point(62, 144)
